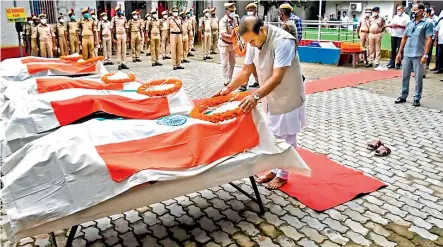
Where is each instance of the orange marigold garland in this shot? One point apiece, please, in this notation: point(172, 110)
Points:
point(107, 80)
point(199, 110)
point(149, 88)
point(91, 60)
point(71, 58)
point(238, 44)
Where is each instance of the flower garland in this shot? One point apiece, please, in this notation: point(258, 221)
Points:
point(198, 111)
point(238, 44)
point(149, 88)
point(107, 80)
point(91, 60)
point(72, 58)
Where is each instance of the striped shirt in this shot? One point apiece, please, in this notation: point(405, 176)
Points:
point(298, 23)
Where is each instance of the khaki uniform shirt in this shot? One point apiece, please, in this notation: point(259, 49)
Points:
point(73, 27)
point(214, 23)
point(377, 25)
point(45, 32)
point(364, 24)
point(175, 25)
point(119, 24)
point(186, 27)
point(194, 23)
point(87, 27)
point(154, 29)
point(226, 25)
point(60, 29)
point(164, 25)
point(206, 25)
point(104, 28)
point(289, 26)
point(27, 29)
point(34, 31)
point(135, 26)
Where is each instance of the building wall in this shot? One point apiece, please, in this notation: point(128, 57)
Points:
point(387, 8)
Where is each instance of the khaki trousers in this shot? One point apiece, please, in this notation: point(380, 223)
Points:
point(374, 48)
point(34, 47)
point(121, 48)
point(191, 41)
point(364, 42)
point(164, 43)
point(136, 41)
point(107, 48)
point(207, 44)
point(185, 47)
point(63, 46)
point(227, 57)
point(155, 49)
point(214, 40)
point(88, 47)
point(46, 48)
point(176, 49)
point(74, 44)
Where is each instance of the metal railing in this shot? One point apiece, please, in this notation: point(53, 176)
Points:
point(328, 31)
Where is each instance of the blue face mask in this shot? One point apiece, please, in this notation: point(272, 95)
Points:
point(86, 15)
point(188, 15)
point(73, 17)
point(119, 12)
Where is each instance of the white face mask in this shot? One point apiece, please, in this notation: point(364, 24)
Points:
point(368, 14)
point(165, 17)
point(135, 17)
point(93, 16)
point(207, 14)
point(251, 13)
point(29, 22)
point(375, 14)
point(175, 13)
point(105, 18)
point(62, 20)
point(43, 21)
point(155, 16)
point(232, 15)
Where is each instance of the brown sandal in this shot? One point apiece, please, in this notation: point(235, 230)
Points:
point(374, 145)
point(382, 151)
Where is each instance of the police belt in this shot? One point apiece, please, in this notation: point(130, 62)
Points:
point(176, 32)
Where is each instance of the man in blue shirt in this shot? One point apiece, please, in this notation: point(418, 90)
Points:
point(298, 23)
point(416, 42)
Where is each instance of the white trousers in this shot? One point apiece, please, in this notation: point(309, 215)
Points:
point(290, 139)
point(227, 59)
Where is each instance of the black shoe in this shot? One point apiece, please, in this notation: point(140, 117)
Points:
point(120, 67)
point(438, 72)
point(142, 52)
point(434, 69)
point(242, 88)
point(368, 65)
point(204, 58)
point(138, 60)
point(134, 60)
point(209, 58)
point(185, 61)
point(254, 85)
point(400, 100)
point(167, 57)
point(174, 68)
point(147, 54)
point(416, 102)
point(398, 66)
point(110, 63)
point(192, 49)
point(424, 76)
point(190, 55)
point(124, 66)
point(154, 64)
point(158, 64)
point(390, 66)
point(180, 67)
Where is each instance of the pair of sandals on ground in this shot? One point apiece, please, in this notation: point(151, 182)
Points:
point(380, 149)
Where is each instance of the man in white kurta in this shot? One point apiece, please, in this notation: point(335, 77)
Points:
point(273, 53)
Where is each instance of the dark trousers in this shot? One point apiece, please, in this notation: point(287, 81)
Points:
point(439, 64)
point(395, 45)
point(430, 54)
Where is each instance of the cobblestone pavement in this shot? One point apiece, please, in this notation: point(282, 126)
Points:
point(409, 212)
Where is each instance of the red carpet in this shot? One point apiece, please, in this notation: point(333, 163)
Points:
point(349, 80)
point(330, 184)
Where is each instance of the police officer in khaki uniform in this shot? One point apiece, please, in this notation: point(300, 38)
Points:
point(186, 28)
point(46, 37)
point(164, 27)
point(227, 54)
point(363, 30)
point(34, 41)
point(119, 27)
point(147, 21)
point(194, 29)
point(104, 37)
point(62, 35)
point(175, 29)
point(95, 20)
point(153, 36)
point(27, 34)
point(190, 31)
point(205, 24)
point(376, 29)
point(135, 28)
point(73, 28)
point(88, 36)
point(214, 30)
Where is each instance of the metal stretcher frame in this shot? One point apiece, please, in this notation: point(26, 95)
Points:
point(256, 199)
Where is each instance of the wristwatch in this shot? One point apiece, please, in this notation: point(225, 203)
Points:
point(425, 56)
point(256, 96)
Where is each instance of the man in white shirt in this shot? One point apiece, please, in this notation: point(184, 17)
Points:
point(397, 26)
point(345, 20)
point(273, 52)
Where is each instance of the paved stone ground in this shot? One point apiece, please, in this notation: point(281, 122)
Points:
point(409, 212)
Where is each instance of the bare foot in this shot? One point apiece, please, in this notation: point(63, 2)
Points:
point(276, 183)
point(266, 178)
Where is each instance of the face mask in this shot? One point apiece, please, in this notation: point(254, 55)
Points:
point(188, 15)
point(432, 13)
point(86, 16)
point(155, 16)
point(135, 17)
point(165, 17)
point(93, 16)
point(251, 13)
point(232, 15)
point(368, 14)
point(399, 13)
point(62, 20)
point(43, 21)
point(73, 17)
point(105, 18)
point(29, 22)
point(375, 14)
point(413, 15)
point(119, 13)
point(207, 14)
point(175, 14)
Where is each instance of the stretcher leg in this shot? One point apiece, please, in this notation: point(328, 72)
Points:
point(257, 198)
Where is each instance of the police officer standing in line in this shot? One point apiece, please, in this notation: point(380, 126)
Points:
point(104, 37)
point(214, 30)
point(175, 27)
point(205, 24)
point(147, 44)
point(191, 31)
point(135, 28)
point(194, 31)
point(73, 28)
point(164, 27)
point(34, 40)
point(27, 34)
point(227, 54)
point(62, 37)
point(186, 28)
point(94, 19)
point(87, 32)
point(119, 27)
point(153, 36)
point(46, 37)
